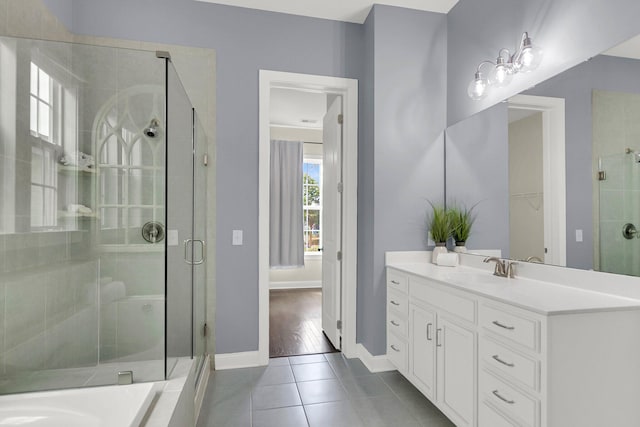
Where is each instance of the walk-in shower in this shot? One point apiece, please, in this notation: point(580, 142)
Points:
point(102, 217)
point(619, 212)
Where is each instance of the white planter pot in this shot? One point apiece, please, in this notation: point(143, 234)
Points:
point(437, 251)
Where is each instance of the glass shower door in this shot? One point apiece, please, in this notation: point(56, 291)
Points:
point(199, 248)
point(619, 211)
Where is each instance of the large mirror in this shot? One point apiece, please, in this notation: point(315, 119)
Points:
point(553, 174)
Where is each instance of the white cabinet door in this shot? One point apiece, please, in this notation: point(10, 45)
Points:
point(422, 358)
point(456, 371)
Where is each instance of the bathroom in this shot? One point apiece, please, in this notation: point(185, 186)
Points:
point(401, 129)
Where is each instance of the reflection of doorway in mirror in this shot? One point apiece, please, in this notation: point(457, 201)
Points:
point(537, 177)
point(526, 202)
point(616, 195)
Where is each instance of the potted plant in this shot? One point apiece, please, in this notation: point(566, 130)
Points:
point(439, 224)
point(461, 219)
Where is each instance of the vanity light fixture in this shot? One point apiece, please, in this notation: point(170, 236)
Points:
point(525, 59)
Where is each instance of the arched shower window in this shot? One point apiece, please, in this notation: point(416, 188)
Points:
point(128, 136)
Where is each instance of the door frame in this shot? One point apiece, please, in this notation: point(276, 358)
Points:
point(554, 172)
point(348, 89)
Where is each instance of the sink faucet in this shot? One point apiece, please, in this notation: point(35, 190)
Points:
point(500, 269)
point(534, 259)
point(503, 268)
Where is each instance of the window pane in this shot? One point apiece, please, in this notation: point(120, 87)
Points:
point(44, 90)
point(50, 207)
point(33, 122)
point(36, 206)
point(44, 117)
point(314, 172)
point(34, 79)
point(37, 173)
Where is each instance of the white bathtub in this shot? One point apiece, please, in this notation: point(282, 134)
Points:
point(111, 406)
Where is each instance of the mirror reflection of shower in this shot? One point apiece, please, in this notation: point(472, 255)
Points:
point(635, 153)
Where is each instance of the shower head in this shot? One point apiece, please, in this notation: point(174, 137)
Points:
point(635, 153)
point(152, 130)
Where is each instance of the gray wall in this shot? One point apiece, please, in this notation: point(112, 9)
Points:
point(409, 71)
point(63, 9)
point(569, 31)
point(478, 173)
point(245, 41)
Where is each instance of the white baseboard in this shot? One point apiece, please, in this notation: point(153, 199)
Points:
point(202, 385)
point(374, 363)
point(247, 359)
point(309, 284)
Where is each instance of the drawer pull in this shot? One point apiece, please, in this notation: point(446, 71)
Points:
point(394, 303)
point(497, 394)
point(394, 323)
point(393, 347)
point(497, 359)
point(395, 282)
point(510, 328)
point(429, 325)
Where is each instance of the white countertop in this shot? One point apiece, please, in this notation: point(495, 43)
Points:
point(541, 297)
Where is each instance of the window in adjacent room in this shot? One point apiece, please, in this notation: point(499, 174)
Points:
point(312, 204)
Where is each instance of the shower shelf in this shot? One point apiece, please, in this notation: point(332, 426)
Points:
point(76, 169)
point(65, 214)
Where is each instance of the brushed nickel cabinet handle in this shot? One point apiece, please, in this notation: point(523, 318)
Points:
point(429, 337)
point(497, 394)
point(394, 303)
point(510, 328)
point(395, 282)
point(394, 323)
point(497, 359)
point(393, 347)
point(438, 343)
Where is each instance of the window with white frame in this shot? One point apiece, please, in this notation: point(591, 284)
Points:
point(312, 204)
point(45, 128)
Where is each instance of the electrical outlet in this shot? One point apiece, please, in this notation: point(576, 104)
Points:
point(578, 235)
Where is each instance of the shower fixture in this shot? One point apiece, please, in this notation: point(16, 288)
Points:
point(636, 154)
point(152, 130)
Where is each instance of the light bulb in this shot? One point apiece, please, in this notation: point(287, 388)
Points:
point(478, 87)
point(530, 56)
point(501, 75)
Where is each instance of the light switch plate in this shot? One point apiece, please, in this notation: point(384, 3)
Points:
point(430, 241)
point(172, 238)
point(237, 238)
point(578, 235)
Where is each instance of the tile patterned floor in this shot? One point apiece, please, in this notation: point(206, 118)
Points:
point(325, 390)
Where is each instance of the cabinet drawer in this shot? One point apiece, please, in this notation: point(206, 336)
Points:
point(397, 302)
point(397, 281)
point(431, 294)
point(397, 324)
point(508, 399)
point(516, 328)
point(488, 417)
point(397, 352)
point(509, 362)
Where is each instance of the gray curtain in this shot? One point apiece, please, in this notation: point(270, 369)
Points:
point(286, 242)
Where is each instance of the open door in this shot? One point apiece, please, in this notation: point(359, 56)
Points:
point(331, 223)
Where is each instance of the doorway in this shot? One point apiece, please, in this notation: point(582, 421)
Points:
point(329, 230)
point(537, 190)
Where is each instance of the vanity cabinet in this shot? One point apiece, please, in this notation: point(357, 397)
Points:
point(440, 346)
point(488, 363)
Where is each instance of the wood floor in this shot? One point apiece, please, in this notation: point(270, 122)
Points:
point(295, 323)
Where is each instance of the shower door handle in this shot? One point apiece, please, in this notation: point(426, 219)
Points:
point(203, 255)
point(186, 251)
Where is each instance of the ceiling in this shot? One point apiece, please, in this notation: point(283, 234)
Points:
point(628, 49)
point(338, 10)
point(297, 109)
